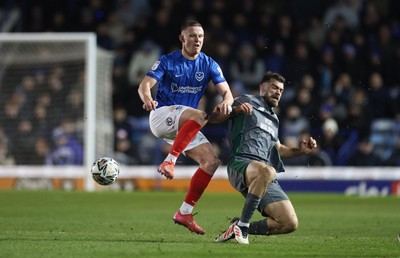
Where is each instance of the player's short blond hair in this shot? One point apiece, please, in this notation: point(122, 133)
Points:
point(190, 23)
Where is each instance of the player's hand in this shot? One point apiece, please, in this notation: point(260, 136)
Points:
point(223, 108)
point(150, 105)
point(244, 109)
point(308, 145)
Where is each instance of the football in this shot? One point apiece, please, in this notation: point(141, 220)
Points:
point(105, 171)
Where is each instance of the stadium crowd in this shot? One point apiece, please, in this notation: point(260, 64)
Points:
point(341, 59)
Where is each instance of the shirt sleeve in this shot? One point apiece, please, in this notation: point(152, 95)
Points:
point(158, 69)
point(217, 76)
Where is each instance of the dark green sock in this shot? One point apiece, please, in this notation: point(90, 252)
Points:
point(250, 206)
point(259, 227)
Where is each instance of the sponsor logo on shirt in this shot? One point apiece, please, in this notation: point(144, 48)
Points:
point(185, 89)
point(155, 65)
point(268, 126)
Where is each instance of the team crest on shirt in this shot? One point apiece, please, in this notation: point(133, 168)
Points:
point(155, 65)
point(199, 76)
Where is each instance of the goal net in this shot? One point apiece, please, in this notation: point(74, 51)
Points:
point(55, 105)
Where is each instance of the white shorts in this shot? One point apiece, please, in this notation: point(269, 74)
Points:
point(164, 123)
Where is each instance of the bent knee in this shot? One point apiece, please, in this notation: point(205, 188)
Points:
point(269, 173)
point(200, 117)
point(211, 165)
point(291, 225)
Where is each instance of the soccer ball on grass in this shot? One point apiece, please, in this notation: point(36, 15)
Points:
point(105, 171)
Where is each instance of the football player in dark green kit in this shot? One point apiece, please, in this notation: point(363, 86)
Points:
point(256, 158)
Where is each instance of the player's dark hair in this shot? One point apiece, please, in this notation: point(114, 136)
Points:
point(271, 75)
point(190, 23)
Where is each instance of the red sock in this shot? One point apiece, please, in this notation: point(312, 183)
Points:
point(198, 184)
point(185, 135)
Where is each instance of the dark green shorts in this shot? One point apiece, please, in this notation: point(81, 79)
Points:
point(236, 172)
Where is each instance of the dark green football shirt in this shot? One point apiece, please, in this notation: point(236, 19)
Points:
point(254, 137)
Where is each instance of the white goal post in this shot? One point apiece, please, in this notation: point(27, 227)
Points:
point(84, 67)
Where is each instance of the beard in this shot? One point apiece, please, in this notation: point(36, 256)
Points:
point(271, 101)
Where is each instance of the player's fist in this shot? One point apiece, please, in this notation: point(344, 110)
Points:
point(244, 109)
point(307, 145)
point(150, 105)
point(223, 108)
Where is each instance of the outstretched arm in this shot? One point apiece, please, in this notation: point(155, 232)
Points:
point(217, 116)
point(306, 146)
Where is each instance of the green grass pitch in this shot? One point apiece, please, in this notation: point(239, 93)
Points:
point(139, 224)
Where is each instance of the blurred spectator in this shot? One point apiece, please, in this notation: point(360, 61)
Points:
point(364, 155)
point(103, 37)
point(5, 156)
point(342, 93)
point(300, 63)
point(394, 159)
point(128, 132)
point(304, 100)
point(327, 109)
point(141, 60)
point(223, 57)
point(27, 90)
point(122, 128)
point(316, 33)
point(357, 115)
point(131, 11)
point(384, 54)
point(66, 151)
point(353, 64)
point(275, 61)
point(294, 123)
point(41, 152)
point(124, 152)
point(285, 33)
point(247, 67)
point(67, 146)
point(217, 31)
point(10, 115)
point(328, 70)
point(331, 141)
point(116, 28)
point(379, 99)
point(333, 41)
point(241, 30)
point(42, 126)
point(163, 31)
point(342, 8)
point(74, 105)
point(371, 18)
point(23, 142)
